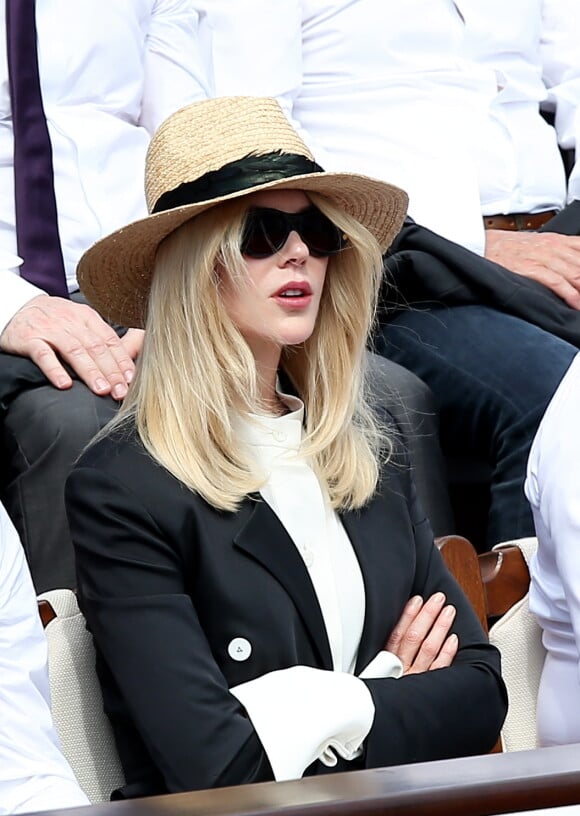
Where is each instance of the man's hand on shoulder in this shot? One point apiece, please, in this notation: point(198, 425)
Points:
point(47, 328)
point(547, 257)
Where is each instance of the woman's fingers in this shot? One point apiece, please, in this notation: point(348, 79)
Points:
point(410, 612)
point(447, 654)
point(418, 629)
point(421, 638)
point(435, 651)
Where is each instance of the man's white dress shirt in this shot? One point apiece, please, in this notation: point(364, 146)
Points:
point(110, 73)
point(553, 489)
point(535, 53)
point(405, 91)
point(34, 774)
point(324, 713)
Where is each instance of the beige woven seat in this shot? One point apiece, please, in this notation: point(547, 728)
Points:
point(77, 705)
point(518, 637)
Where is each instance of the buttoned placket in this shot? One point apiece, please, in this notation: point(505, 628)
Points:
point(295, 494)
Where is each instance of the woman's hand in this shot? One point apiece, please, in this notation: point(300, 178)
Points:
point(421, 638)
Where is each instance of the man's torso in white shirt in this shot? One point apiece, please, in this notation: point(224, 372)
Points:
point(110, 73)
point(392, 90)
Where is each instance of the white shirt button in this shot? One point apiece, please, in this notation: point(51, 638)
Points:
point(240, 649)
point(279, 436)
point(308, 556)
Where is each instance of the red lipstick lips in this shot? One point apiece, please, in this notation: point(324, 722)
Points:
point(294, 289)
point(294, 295)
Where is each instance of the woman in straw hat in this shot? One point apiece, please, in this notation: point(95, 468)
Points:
point(251, 557)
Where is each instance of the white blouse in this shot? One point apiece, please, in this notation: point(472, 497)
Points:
point(295, 494)
point(302, 714)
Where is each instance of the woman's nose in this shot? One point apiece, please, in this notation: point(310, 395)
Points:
point(294, 250)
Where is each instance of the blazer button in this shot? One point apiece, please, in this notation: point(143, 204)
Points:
point(240, 649)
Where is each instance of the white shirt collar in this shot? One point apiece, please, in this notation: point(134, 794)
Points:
point(271, 436)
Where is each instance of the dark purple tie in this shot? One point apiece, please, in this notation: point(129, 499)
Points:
point(37, 235)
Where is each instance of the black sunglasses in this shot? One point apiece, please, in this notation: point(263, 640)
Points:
point(266, 231)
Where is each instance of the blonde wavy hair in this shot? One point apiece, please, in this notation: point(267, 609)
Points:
point(196, 370)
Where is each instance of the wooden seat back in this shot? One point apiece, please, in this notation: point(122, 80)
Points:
point(493, 581)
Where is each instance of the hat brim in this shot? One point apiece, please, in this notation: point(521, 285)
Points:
point(115, 273)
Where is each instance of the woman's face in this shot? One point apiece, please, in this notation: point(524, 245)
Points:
point(277, 304)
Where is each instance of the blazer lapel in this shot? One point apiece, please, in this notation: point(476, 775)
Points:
point(380, 534)
point(361, 537)
point(264, 538)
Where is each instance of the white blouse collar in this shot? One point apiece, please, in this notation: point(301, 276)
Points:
point(271, 432)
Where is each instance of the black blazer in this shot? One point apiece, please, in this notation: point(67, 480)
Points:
point(167, 581)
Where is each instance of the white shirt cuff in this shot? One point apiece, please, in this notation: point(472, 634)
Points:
point(16, 291)
point(302, 714)
point(385, 664)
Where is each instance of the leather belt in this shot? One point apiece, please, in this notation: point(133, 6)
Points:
point(518, 221)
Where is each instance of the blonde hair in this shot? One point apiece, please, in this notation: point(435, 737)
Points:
point(196, 369)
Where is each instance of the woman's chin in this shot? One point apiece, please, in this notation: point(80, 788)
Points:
point(297, 332)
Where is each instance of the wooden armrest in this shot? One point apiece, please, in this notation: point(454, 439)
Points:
point(463, 563)
point(493, 581)
point(506, 579)
point(46, 612)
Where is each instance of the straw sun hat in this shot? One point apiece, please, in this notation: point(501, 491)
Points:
point(206, 153)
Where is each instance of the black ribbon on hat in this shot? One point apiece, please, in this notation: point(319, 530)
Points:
point(242, 174)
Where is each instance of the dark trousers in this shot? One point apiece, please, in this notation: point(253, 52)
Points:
point(471, 330)
point(42, 432)
point(492, 376)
